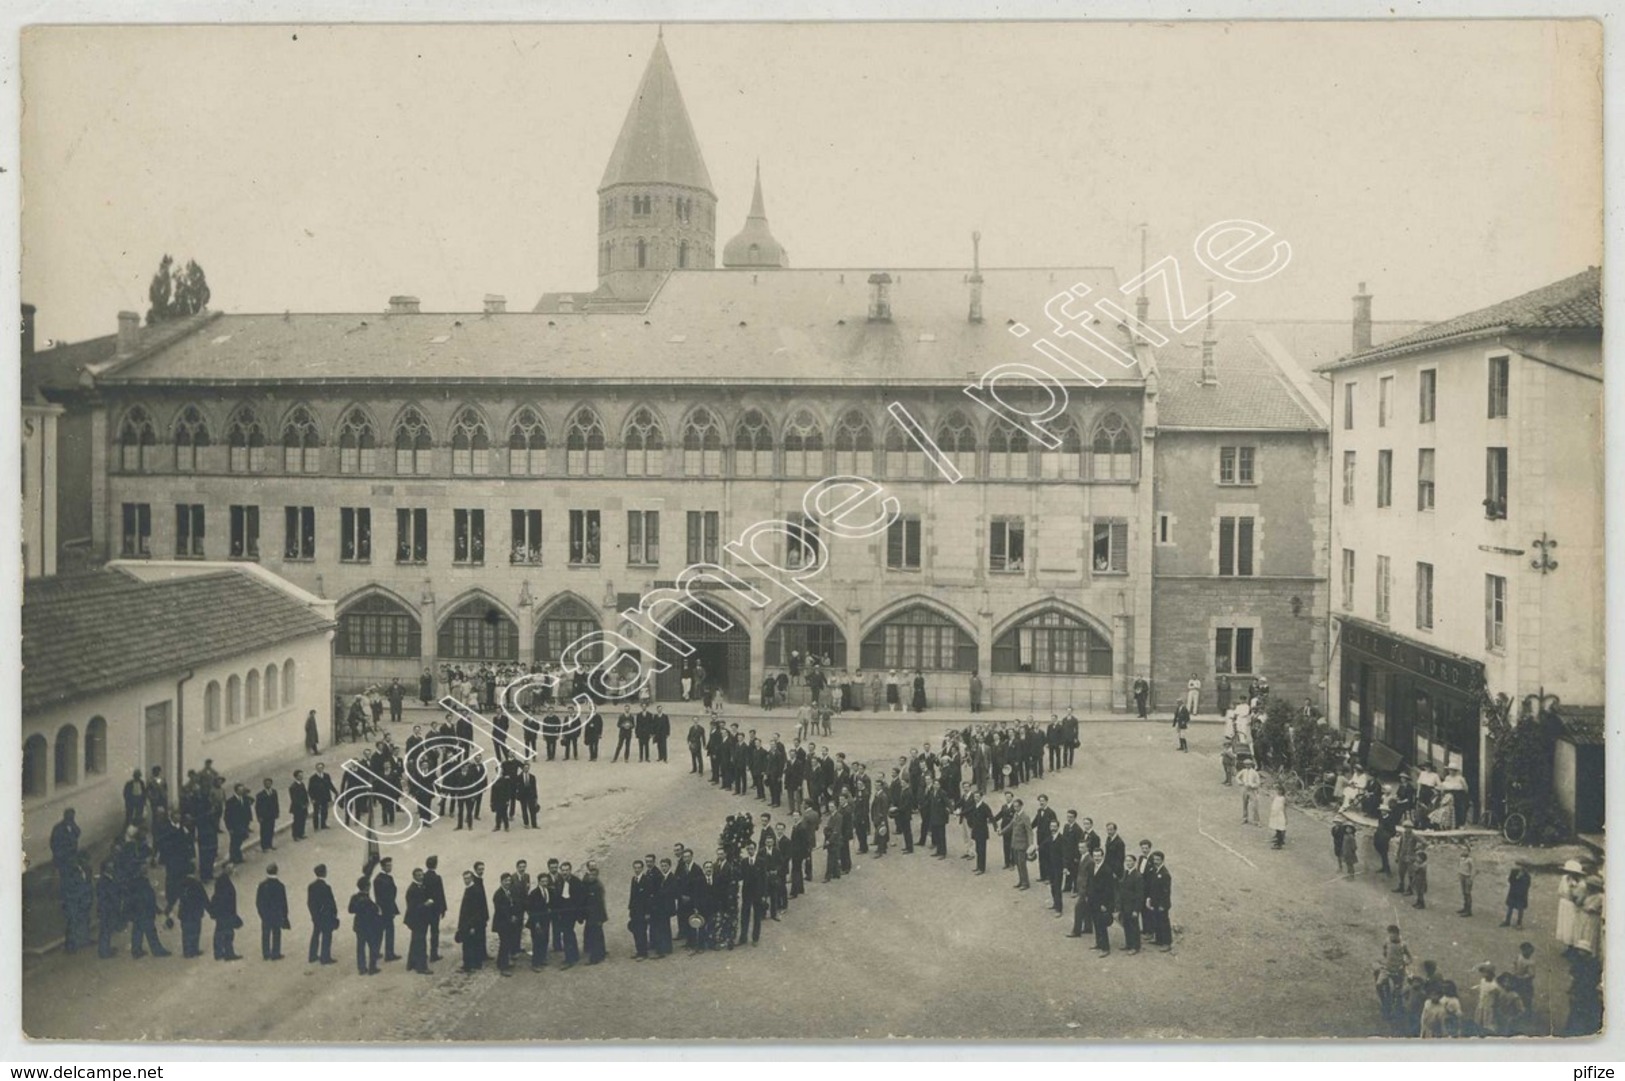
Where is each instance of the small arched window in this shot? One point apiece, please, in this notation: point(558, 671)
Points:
point(358, 443)
point(137, 438)
point(803, 446)
point(251, 695)
point(753, 446)
point(247, 441)
point(67, 755)
point(272, 696)
point(904, 458)
point(645, 445)
point(1112, 449)
point(957, 440)
point(702, 445)
point(584, 444)
point(470, 445)
point(301, 445)
point(527, 445)
point(96, 746)
point(643, 253)
point(1007, 452)
point(414, 445)
point(854, 445)
point(191, 434)
point(287, 682)
point(211, 706)
point(234, 700)
point(682, 254)
point(1063, 462)
point(36, 767)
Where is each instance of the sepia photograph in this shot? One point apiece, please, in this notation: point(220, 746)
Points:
point(827, 532)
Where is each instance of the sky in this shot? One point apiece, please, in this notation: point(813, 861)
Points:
point(325, 168)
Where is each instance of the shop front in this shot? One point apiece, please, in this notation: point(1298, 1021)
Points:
point(1410, 704)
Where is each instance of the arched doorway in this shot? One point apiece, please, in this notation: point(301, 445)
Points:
point(809, 631)
point(725, 655)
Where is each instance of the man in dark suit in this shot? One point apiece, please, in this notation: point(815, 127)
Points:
point(638, 904)
point(508, 921)
point(1045, 828)
point(624, 728)
point(1069, 844)
point(833, 825)
point(880, 816)
point(1115, 851)
point(752, 873)
point(271, 902)
point(1159, 899)
point(979, 818)
point(644, 726)
point(1101, 897)
point(299, 803)
point(267, 809)
point(365, 925)
point(538, 919)
point(238, 816)
point(435, 889)
point(662, 733)
point(1090, 841)
point(529, 802)
point(386, 893)
point(594, 733)
point(419, 912)
point(324, 917)
point(696, 745)
point(567, 912)
point(1131, 902)
point(472, 917)
point(902, 807)
point(192, 904)
point(322, 794)
point(1002, 819)
point(223, 908)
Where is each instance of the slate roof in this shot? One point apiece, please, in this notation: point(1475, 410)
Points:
point(170, 625)
point(1573, 304)
point(657, 143)
point(802, 327)
point(58, 370)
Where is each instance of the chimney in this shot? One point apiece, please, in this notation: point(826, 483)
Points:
point(129, 333)
point(28, 330)
point(1142, 303)
point(1362, 320)
point(403, 305)
point(1210, 374)
point(880, 297)
point(976, 278)
point(494, 304)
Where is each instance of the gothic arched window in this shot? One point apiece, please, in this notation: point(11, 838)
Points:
point(904, 458)
point(1063, 462)
point(191, 432)
point(584, 444)
point(470, 445)
point(414, 445)
point(137, 437)
point(246, 439)
point(645, 445)
point(854, 445)
point(301, 446)
point(753, 446)
point(702, 444)
point(1007, 452)
point(803, 446)
point(957, 440)
point(358, 443)
point(1112, 449)
point(527, 445)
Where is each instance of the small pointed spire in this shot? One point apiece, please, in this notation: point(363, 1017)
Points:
point(756, 206)
point(660, 31)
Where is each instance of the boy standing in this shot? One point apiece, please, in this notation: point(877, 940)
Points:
point(1464, 871)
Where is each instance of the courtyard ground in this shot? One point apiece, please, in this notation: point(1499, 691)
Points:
point(1269, 944)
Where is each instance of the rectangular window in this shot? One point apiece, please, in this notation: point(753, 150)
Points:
point(352, 459)
point(1348, 406)
point(1427, 396)
point(1233, 650)
point(470, 460)
point(584, 538)
point(1348, 478)
point(903, 544)
point(527, 537)
point(801, 549)
point(189, 530)
point(411, 535)
point(468, 537)
point(1385, 400)
point(355, 535)
point(1500, 385)
point(1236, 465)
point(1424, 479)
point(704, 529)
point(1385, 478)
point(1235, 547)
point(1165, 528)
point(244, 532)
point(1007, 547)
point(642, 537)
point(1424, 596)
point(1382, 589)
point(1495, 612)
point(299, 532)
point(1110, 553)
point(137, 529)
point(244, 458)
point(1495, 482)
point(1348, 579)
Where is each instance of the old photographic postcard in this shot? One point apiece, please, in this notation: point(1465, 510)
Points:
point(952, 531)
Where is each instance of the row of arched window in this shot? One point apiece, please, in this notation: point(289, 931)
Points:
point(247, 698)
point(53, 765)
point(804, 445)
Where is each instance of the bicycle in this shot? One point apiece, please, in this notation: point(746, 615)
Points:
point(1515, 827)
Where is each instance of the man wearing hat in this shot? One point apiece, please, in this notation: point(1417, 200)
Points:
point(1249, 780)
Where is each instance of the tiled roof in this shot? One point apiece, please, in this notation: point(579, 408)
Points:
point(1251, 389)
point(70, 650)
point(59, 369)
point(657, 143)
point(1575, 303)
point(1583, 725)
point(703, 326)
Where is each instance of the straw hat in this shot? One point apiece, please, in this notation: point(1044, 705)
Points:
point(1573, 867)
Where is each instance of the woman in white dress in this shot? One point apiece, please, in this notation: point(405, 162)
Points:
point(1570, 891)
point(1588, 905)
